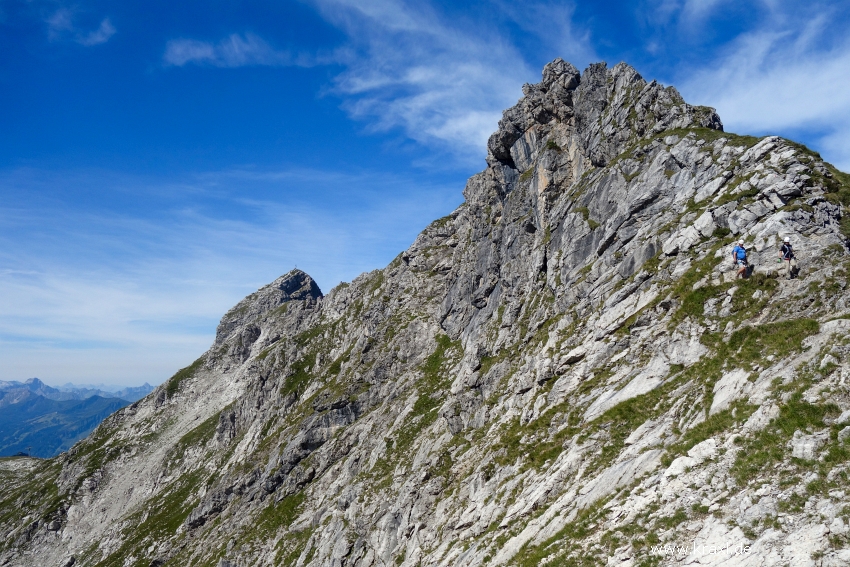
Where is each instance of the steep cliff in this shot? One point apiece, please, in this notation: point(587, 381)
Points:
point(564, 370)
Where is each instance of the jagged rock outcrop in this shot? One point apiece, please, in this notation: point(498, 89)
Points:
point(564, 370)
point(294, 286)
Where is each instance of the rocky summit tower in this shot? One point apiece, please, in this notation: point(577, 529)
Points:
point(563, 371)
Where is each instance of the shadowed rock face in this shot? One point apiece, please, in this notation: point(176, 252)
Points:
point(563, 369)
point(295, 285)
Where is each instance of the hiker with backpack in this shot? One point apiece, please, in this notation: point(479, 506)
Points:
point(786, 254)
point(739, 257)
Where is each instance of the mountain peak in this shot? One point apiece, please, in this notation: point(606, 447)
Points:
point(568, 367)
point(596, 114)
point(295, 285)
point(39, 387)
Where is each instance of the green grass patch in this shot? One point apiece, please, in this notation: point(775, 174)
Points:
point(278, 515)
point(424, 413)
point(540, 447)
point(432, 370)
point(279, 311)
point(439, 223)
point(844, 225)
point(564, 548)
point(585, 213)
point(265, 353)
point(713, 425)
point(510, 447)
point(300, 377)
point(336, 365)
point(743, 306)
point(199, 435)
point(750, 345)
point(793, 504)
point(95, 452)
point(488, 362)
point(29, 492)
point(376, 282)
point(710, 135)
point(173, 385)
point(622, 419)
point(731, 195)
point(292, 545)
point(310, 335)
point(551, 145)
point(767, 448)
point(693, 300)
point(840, 196)
point(706, 134)
point(842, 177)
point(669, 522)
point(533, 445)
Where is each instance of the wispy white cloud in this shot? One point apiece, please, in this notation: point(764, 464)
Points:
point(241, 50)
point(694, 12)
point(60, 25)
point(234, 51)
point(59, 22)
point(686, 16)
point(554, 25)
point(101, 35)
point(120, 297)
point(785, 77)
point(444, 82)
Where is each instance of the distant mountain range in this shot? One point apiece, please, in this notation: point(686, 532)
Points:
point(43, 421)
point(76, 391)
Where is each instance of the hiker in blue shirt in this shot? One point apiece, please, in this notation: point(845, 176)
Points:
point(786, 254)
point(739, 256)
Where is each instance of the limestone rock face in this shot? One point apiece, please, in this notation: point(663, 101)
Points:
point(564, 369)
point(296, 285)
point(604, 110)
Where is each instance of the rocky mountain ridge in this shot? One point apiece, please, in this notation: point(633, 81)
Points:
point(563, 371)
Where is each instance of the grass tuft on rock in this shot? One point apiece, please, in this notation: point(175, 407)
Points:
point(173, 385)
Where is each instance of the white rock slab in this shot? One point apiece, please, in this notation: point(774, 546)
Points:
point(730, 387)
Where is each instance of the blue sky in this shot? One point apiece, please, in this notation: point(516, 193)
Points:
point(161, 160)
